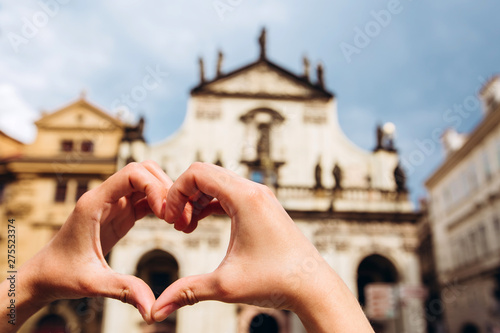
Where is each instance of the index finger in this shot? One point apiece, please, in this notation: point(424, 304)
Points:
point(208, 179)
point(134, 177)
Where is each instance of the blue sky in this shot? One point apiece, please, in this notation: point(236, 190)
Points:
point(425, 60)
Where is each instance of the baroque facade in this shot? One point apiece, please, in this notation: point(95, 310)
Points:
point(281, 129)
point(464, 215)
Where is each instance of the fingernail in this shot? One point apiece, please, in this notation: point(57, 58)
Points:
point(163, 208)
point(164, 312)
point(142, 312)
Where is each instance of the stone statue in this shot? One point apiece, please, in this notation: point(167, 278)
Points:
point(337, 176)
point(140, 126)
point(202, 71)
point(220, 59)
point(134, 133)
point(262, 43)
point(389, 143)
point(306, 68)
point(385, 137)
point(319, 74)
point(380, 138)
point(198, 157)
point(264, 144)
point(400, 179)
point(317, 175)
point(218, 160)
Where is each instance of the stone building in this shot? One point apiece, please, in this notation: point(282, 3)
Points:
point(75, 150)
point(281, 129)
point(464, 216)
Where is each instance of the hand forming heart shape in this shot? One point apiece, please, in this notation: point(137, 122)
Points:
point(262, 265)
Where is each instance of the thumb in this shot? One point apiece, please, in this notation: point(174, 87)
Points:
point(128, 289)
point(186, 291)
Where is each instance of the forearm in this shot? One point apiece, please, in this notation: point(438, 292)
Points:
point(18, 300)
point(328, 306)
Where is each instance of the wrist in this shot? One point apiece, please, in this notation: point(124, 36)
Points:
point(315, 298)
point(19, 299)
point(327, 305)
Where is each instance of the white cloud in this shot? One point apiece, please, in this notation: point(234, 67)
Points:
point(16, 116)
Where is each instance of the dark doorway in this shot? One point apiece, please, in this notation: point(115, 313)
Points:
point(470, 328)
point(374, 268)
point(264, 323)
point(51, 324)
point(158, 269)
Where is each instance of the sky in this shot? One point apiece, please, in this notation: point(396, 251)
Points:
point(416, 63)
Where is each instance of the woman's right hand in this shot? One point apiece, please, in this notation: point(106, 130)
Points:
point(268, 263)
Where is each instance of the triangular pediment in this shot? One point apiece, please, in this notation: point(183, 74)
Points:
point(262, 79)
point(80, 114)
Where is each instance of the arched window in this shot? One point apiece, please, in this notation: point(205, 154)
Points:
point(263, 323)
point(51, 324)
point(374, 268)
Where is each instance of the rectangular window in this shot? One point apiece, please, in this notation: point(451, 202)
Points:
point(496, 227)
point(465, 249)
point(467, 189)
point(2, 191)
point(457, 258)
point(81, 188)
point(61, 191)
point(483, 240)
point(486, 166)
point(498, 155)
point(473, 245)
point(67, 146)
point(87, 146)
point(472, 177)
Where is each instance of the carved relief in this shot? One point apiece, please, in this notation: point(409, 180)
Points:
point(18, 209)
point(192, 242)
point(208, 109)
point(261, 80)
point(315, 114)
point(213, 241)
point(341, 245)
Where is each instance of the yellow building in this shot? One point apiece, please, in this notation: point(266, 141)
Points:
point(9, 147)
point(75, 150)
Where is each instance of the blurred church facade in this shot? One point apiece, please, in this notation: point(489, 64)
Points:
point(281, 129)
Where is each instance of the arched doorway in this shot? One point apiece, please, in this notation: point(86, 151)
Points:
point(374, 268)
point(470, 328)
point(51, 323)
point(159, 269)
point(263, 323)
